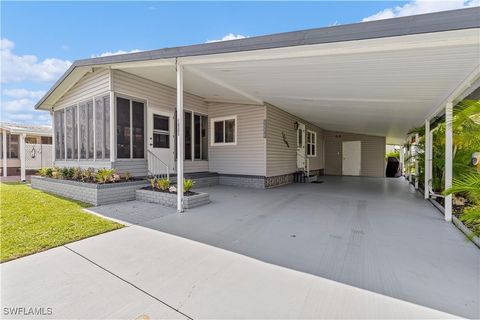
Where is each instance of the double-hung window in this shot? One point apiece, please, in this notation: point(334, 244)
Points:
point(130, 129)
point(161, 131)
point(224, 130)
point(311, 143)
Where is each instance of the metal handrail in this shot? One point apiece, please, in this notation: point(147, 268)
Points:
point(155, 164)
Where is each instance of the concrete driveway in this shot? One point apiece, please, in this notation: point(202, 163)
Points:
point(350, 247)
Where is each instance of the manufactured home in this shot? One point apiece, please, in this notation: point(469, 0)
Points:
point(270, 110)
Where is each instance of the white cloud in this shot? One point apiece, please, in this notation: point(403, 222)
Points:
point(109, 53)
point(27, 67)
point(18, 105)
point(422, 6)
point(23, 93)
point(229, 36)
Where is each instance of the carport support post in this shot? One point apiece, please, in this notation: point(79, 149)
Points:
point(22, 157)
point(4, 152)
point(428, 157)
point(402, 159)
point(416, 161)
point(180, 132)
point(448, 158)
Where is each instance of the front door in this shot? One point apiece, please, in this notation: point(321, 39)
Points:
point(161, 140)
point(301, 146)
point(351, 161)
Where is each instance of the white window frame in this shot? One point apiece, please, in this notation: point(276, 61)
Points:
point(313, 134)
point(212, 131)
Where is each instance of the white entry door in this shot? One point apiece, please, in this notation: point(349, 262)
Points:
point(161, 140)
point(301, 146)
point(352, 158)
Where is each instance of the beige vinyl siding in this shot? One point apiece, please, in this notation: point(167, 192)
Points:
point(157, 95)
point(373, 153)
point(195, 166)
point(248, 155)
point(92, 84)
point(280, 158)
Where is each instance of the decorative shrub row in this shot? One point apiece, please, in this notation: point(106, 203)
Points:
point(85, 175)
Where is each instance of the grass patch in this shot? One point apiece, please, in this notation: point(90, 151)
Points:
point(33, 221)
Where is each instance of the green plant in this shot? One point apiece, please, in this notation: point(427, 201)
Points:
point(187, 184)
point(77, 173)
point(104, 175)
point(56, 174)
point(88, 175)
point(45, 172)
point(153, 183)
point(128, 176)
point(163, 184)
point(468, 184)
point(66, 173)
point(471, 218)
point(393, 154)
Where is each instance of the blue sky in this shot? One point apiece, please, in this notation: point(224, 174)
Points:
point(41, 39)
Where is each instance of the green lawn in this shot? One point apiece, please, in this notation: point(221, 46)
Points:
point(33, 221)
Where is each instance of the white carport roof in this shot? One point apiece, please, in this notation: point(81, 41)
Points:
point(36, 130)
point(380, 78)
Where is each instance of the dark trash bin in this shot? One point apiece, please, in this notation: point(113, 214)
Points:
point(393, 168)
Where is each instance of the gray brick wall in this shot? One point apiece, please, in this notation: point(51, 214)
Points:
point(89, 192)
point(170, 199)
point(256, 182)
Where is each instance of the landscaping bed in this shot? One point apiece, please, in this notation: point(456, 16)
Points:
point(89, 192)
point(33, 221)
point(169, 199)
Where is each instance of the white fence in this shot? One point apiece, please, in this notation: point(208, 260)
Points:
point(38, 156)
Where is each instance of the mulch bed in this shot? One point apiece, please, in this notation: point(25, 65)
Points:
point(188, 193)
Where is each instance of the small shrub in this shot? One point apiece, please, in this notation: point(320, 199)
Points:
point(471, 218)
point(163, 184)
point(66, 173)
point(187, 184)
point(115, 177)
point(104, 175)
point(77, 173)
point(88, 175)
point(56, 173)
point(153, 183)
point(128, 176)
point(48, 172)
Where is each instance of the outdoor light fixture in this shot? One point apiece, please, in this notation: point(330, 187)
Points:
point(295, 125)
point(475, 158)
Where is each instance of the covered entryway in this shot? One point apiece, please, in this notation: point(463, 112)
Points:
point(375, 234)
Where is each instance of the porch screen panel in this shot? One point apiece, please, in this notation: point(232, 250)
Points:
point(106, 127)
point(188, 136)
point(90, 146)
point(102, 127)
point(71, 137)
point(59, 135)
point(123, 128)
point(83, 128)
point(138, 133)
point(197, 136)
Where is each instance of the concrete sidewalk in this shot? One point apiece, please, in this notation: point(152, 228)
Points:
point(137, 272)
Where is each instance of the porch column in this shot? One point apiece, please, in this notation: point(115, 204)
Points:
point(4, 152)
point(22, 157)
point(402, 159)
point(180, 138)
point(428, 157)
point(448, 158)
point(416, 161)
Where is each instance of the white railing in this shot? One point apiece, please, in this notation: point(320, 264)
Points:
point(156, 167)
